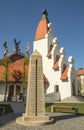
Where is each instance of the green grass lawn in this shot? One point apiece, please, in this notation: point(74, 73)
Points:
point(8, 108)
point(80, 107)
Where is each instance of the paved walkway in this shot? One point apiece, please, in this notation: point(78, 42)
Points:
point(63, 121)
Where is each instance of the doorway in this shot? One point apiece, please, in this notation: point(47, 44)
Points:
point(11, 92)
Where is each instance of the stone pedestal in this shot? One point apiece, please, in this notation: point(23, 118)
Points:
point(35, 103)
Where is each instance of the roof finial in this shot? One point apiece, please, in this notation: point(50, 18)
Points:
point(44, 12)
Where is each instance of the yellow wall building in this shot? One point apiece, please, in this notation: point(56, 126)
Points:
point(80, 77)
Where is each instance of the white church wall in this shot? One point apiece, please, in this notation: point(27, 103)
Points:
point(52, 75)
point(65, 89)
point(41, 46)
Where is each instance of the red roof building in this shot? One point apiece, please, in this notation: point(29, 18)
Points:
point(17, 76)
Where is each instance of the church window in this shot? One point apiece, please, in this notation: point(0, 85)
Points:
point(56, 88)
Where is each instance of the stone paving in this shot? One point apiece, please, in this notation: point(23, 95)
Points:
point(63, 121)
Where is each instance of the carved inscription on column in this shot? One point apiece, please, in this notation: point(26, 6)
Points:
point(35, 99)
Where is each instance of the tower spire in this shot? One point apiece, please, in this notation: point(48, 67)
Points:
point(42, 28)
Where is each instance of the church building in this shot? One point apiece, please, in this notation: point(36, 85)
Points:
point(61, 76)
point(60, 79)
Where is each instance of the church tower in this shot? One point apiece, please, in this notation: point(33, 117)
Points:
point(61, 77)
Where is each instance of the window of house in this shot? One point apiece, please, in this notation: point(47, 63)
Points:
point(17, 90)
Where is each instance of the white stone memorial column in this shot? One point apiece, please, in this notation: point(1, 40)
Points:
point(35, 103)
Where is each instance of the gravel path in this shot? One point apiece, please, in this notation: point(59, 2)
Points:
point(63, 122)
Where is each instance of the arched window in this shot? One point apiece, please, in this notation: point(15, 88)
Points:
point(56, 88)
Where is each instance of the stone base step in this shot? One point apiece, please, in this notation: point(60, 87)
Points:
point(52, 97)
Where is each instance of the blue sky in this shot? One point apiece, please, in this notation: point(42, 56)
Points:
point(19, 19)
